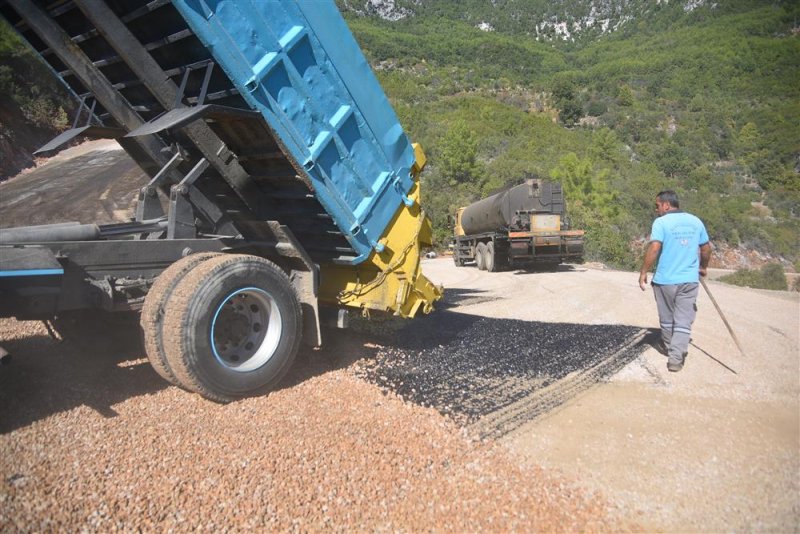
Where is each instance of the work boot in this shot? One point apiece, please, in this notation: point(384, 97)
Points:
point(674, 367)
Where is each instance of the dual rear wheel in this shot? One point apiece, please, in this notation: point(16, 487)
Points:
point(480, 256)
point(486, 257)
point(223, 325)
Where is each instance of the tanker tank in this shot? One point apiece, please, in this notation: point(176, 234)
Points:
point(502, 211)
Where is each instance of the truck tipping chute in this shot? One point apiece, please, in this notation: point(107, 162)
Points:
point(263, 125)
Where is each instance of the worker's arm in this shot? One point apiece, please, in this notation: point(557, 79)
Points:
point(705, 256)
point(650, 257)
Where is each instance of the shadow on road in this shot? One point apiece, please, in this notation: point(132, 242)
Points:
point(47, 376)
point(544, 268)
point(537, 268)
point(463, 297)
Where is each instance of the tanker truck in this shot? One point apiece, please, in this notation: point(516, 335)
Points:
point(281, 188)
point(525, 225)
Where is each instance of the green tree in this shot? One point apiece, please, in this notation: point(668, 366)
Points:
point(625, 96)
point(566, 100)
point(570, 111)
point(748, 143)
point(596, 108)
point(671, 159)
point(585, 189)
point(458, 155)
point(771, 175)
point(605, 145)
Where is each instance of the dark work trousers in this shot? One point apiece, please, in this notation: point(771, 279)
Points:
point(676, 311)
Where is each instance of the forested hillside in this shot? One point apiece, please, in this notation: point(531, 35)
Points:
point(703, 100)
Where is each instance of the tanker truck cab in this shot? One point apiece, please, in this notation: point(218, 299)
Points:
point(523, 226)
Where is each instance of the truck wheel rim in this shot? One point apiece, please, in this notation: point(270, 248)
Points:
point(246, 330)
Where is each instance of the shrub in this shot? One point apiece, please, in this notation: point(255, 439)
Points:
point(770, 276)
point(596, 108)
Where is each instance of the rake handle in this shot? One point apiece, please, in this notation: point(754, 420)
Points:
point(722, 316)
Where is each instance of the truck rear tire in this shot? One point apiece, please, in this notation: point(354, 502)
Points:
point(152, 319)
point(489, 259)
point(232, 327)
point(480, 256)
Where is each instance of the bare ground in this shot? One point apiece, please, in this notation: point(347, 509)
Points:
point(715, 447)
point(95, 181)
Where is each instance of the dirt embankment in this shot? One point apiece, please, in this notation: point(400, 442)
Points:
point(728, 257)
point(92, 182)
point(18, 140)
point(34, 106)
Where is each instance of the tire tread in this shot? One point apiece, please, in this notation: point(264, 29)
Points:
point(155, 304)
point(178, 325)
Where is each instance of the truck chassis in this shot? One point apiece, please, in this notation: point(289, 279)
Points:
point(495, 251)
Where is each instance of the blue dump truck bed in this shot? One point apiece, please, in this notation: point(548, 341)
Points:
point(269, 111)
point(297, 64)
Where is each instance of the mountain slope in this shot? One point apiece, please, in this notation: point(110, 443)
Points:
point(702, 98)
point(560, 20)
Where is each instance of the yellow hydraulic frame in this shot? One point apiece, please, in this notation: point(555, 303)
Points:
point(390, 280)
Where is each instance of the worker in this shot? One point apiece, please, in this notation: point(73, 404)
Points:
point(675, 239)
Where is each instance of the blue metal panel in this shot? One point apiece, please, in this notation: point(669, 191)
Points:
point(32, 272)
point(297, 63)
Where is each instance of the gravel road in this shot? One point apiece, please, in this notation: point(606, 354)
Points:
point(713, 448)
point(368, 434)
point(92, 439)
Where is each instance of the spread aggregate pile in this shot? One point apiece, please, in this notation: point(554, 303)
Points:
point(95, 181)
point(93, 440)
point(469, 367)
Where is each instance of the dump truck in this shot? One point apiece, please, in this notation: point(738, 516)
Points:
point(522, 226)
point(282, 189)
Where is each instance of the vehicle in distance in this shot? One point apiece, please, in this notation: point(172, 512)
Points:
point(523, 226)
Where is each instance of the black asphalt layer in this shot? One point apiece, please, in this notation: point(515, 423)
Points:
point(472, 368)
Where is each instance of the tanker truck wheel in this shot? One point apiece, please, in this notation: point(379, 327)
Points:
point(490, 260)
point(232, 327)
point(152, 318)
point(480, 256)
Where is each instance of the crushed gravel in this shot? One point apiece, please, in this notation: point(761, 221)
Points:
point(95, 440)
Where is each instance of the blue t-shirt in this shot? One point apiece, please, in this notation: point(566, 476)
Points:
point(680, 235)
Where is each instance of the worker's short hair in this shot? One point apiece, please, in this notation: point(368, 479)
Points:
point(669, 196)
